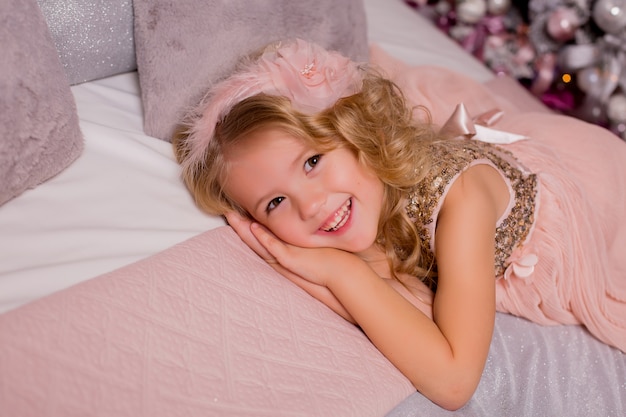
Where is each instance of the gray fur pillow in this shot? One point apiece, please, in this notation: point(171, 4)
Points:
point(184, 45)
point(39, 132)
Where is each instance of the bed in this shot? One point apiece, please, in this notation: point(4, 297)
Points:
point(119, 297)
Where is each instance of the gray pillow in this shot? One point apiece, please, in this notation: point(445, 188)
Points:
point(184, 45)
point(39, 132)
point(94, 38)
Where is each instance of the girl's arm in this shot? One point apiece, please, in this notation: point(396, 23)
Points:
point(444, 358)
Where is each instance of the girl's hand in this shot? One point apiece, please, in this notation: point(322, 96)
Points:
point(241, 225)
point(308, 267)
point(261, 240)
point(317, 265)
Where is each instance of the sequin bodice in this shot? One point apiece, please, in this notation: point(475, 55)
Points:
point(426, 197)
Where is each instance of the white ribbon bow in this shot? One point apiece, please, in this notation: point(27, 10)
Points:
point(461, 126)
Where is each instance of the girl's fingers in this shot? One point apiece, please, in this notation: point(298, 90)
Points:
point(303, 262)
point(270, 243)
point(241, 225)
point(235, 220)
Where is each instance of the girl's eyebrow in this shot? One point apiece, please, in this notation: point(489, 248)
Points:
point(293, 165)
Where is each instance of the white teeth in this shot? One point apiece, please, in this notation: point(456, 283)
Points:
point(341, 217)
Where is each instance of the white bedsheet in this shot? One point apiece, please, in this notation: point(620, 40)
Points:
point(119, 202)
point(122, 200)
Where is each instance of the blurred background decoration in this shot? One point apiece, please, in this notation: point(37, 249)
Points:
point(569, 53)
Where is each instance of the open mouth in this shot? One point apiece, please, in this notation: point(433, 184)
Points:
point(340, 218)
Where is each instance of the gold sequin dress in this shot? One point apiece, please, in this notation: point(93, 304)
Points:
point(552, 262)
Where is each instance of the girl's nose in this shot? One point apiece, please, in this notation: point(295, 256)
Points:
point(310, 202)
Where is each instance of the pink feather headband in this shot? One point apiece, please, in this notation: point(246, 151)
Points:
point(307, 74)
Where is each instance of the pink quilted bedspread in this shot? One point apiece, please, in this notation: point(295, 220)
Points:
point(204, 328)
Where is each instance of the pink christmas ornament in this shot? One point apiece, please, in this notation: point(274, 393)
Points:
point(562, 24)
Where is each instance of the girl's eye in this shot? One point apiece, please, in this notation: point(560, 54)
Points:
point(274, 203)
point(311, 162)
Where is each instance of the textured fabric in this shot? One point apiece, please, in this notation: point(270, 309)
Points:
point(94, 38)
point(580, 232)
point(205, 328)
point(39, 132)
point(177, 62)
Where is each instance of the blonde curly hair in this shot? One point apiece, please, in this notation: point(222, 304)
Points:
point(376, 124)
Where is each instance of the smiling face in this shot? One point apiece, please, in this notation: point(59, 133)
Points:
point(304, 197)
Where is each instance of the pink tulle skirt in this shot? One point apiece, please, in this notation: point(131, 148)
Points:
point(580, 229)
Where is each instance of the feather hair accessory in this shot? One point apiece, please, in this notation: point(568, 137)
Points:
point(311, 77)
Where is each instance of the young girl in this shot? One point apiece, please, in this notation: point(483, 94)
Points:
point(323, 169)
